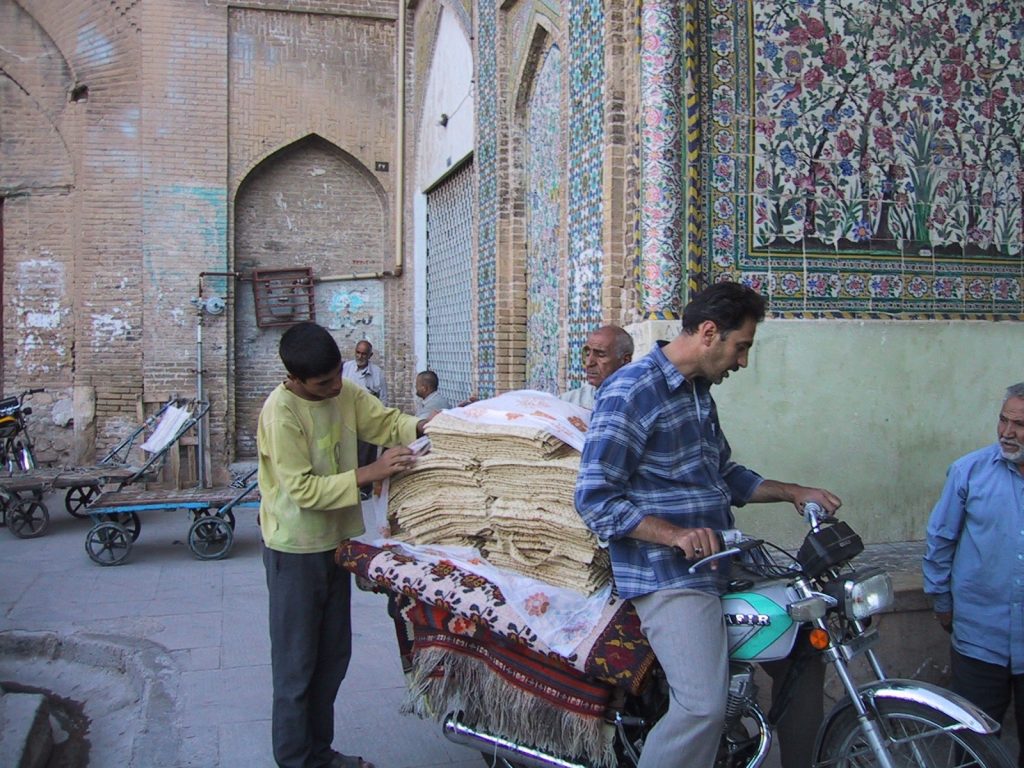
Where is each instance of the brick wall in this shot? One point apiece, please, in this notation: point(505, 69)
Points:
point(118, 198)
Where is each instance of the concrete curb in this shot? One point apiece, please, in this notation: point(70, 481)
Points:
point(26, 740)
point(147, 673)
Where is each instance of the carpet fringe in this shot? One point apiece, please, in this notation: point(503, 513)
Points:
point(442, 681)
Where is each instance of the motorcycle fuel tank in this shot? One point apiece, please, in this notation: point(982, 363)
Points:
point(756, 622)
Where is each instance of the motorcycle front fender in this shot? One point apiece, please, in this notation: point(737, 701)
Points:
point(928, 695)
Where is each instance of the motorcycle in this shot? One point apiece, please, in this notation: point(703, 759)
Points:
point(16, 450)
point(774, 601)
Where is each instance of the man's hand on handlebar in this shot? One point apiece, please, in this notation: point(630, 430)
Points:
point(697, 543)
point(825, 499)
point(798, 495)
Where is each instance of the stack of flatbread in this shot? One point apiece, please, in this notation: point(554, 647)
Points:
point(506, 489)
point(439, 501)
point(450, 434)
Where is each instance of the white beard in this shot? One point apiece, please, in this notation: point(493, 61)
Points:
point(1016, 457)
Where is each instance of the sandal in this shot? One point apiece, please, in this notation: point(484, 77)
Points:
point(339, 760)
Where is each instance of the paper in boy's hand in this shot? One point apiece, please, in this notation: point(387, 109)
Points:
point(420, 446)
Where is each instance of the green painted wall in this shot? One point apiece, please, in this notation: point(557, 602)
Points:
point(873, 410)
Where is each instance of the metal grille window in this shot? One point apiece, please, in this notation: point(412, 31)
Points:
point(449, 283)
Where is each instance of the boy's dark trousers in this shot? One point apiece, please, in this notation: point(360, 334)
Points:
point(310, 648)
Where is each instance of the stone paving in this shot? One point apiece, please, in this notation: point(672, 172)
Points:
point(199, 629)
point(194, 636)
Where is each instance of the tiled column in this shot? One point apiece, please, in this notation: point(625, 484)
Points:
point(662, 219)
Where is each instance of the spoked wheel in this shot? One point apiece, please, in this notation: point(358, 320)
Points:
point(917, 737)
point(78, 498)
point(128, 520)
point(498, 762)
point(108, 543)
point(210, 537)
point(28, 519)
point(202, 514)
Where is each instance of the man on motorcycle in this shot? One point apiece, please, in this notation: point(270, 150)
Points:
point(656, 480)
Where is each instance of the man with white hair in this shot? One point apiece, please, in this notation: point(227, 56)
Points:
point(607, 349)
point(974, 567)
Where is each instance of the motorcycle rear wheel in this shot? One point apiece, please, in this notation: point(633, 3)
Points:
point(498, 762)
point(916, 738)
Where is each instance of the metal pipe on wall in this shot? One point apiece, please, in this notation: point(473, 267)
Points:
point(400, 139)
point(202, 431)
point(201, 424)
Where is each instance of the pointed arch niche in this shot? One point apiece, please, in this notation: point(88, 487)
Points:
point(541, 146)
point(37, 189)
point(309, 204)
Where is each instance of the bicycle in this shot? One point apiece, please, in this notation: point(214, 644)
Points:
point(16, 449)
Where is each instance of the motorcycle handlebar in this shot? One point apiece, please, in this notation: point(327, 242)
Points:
point(734, 543)
point(815, 515)
point(25, 393)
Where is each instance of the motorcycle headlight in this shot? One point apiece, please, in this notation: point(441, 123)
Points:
point(866, 593)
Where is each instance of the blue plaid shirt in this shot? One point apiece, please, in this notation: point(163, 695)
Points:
point(655, 447)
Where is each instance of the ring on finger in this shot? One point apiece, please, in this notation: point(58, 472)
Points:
point(698, 550)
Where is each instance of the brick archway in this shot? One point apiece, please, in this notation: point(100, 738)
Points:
point(308, 205)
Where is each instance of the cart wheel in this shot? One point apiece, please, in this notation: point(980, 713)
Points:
point(128, 520)
point(28, 519)
point(202, 514)
point(210, 538)
point(77, 498)
point(108, 543)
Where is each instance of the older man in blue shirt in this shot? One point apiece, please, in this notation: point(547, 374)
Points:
point(974, 567)
point(657, 480)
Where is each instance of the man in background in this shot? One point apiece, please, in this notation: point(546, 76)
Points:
point(367, 375)
point(972, 567)
point(607, 349)
point(429, 400)
point(370, 377)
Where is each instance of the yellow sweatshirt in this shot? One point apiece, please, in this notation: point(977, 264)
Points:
point(307, 462)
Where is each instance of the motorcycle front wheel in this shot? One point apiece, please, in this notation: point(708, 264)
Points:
point(917, 737)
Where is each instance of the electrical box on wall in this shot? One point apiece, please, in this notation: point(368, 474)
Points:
point(283, 296)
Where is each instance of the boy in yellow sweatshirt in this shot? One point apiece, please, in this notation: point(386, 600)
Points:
point(309, 485)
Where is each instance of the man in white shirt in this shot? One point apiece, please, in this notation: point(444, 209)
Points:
point(607, 349)
point(364, 373)
point(370, 377)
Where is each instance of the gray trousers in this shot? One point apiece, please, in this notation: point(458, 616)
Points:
point(687, 633)
point(310, 647)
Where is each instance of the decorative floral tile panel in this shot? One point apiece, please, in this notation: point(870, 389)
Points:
point(866, 157)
